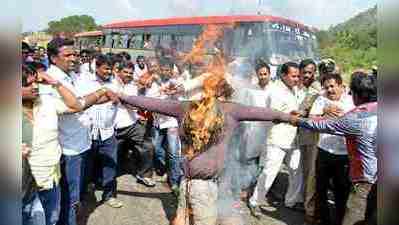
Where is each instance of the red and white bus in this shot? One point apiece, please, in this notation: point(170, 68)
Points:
point(275, 39)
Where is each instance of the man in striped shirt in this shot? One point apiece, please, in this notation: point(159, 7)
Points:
point(359, 126)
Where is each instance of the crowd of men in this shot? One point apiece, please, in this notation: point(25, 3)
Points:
point(77, 133)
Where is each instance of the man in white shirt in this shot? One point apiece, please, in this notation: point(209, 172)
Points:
point(74, 128)
point(132, 131)
point(281, 142)
point(251, 136)
point(332, 162)
point(104, 143)
point(87, 62)
point(166, 130)
point(140, 68)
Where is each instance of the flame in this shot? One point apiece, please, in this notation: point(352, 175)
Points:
point(209, 36)
point(203, 119)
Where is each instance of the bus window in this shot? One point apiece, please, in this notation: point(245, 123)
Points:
point(289, 43)
point(165, 40)
point(248, 40)
point(136, 41)
point(186, 43)
point(108, 41)
point(150, 41)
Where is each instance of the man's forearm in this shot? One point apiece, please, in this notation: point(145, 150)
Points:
point(97, 97)
point(68, 97)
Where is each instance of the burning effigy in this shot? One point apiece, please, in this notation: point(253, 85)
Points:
point(206, 128)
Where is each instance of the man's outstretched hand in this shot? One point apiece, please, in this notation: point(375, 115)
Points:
point(112, 96)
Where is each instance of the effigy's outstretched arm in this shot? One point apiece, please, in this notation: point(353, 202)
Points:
point(164, 106)
point(251, 113)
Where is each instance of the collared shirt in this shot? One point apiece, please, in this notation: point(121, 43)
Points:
point(332, 143)
point(359, 127)
point(138, 72)
point(162, 121)
point(125, 117)
point(102, 115)
point(283, 99)
point(74, 128)
point(44, 158)
point(307, 137)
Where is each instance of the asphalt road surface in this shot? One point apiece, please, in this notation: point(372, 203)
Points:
point(156, 206)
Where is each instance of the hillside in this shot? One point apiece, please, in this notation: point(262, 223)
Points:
point(353, 44)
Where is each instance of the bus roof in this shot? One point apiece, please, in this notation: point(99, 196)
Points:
point(204, 20)
point(89, 33)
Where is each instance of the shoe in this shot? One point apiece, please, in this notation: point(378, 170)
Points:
point(297, 207)
point(146, 181)
point(114, 203)
point(255, 211)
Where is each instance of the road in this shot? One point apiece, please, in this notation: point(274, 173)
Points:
point(155, 206)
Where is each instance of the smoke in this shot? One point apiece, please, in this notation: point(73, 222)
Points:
point(184, 8)
point(321, 13)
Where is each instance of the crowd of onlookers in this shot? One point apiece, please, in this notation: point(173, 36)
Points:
point(77, 134)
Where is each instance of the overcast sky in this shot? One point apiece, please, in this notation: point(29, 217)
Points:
point(318, 13)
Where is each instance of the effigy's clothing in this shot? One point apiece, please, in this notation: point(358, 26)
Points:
point(208, 164)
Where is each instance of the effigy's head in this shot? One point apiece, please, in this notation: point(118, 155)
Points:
point(216, 86)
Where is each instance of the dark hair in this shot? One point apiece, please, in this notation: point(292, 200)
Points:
point(116, 58)
point(126, 64)
point(260, 64)
point(88, 52)
point(364, 86)
point(103, 59)
point(139, 57)
point(286, 66)
point(306, 62)
point(53, 47)
point(36, 65)
point(326, 66)
point(126, 56)
point(335, 76)
point(27, 70)
point(26, 48)
point(166, 62)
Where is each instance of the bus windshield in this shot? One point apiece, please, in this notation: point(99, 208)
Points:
point(275, 42)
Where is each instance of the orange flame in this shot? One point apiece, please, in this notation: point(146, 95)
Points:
point(203, 118)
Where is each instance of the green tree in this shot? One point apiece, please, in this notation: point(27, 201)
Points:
point(352, 44)
point(72, 24)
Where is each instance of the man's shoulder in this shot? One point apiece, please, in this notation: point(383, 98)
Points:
point(55, 72)
point(321, 99)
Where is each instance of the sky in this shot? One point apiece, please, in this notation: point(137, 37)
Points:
point(35, 15)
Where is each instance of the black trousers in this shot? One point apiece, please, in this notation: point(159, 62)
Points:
point(137, 137)
point(332, 169)
point(371, 210)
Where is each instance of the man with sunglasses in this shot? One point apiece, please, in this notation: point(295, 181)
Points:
point(86, 59)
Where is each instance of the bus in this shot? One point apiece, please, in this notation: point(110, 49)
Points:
point(274, 39)
point(89, 39)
